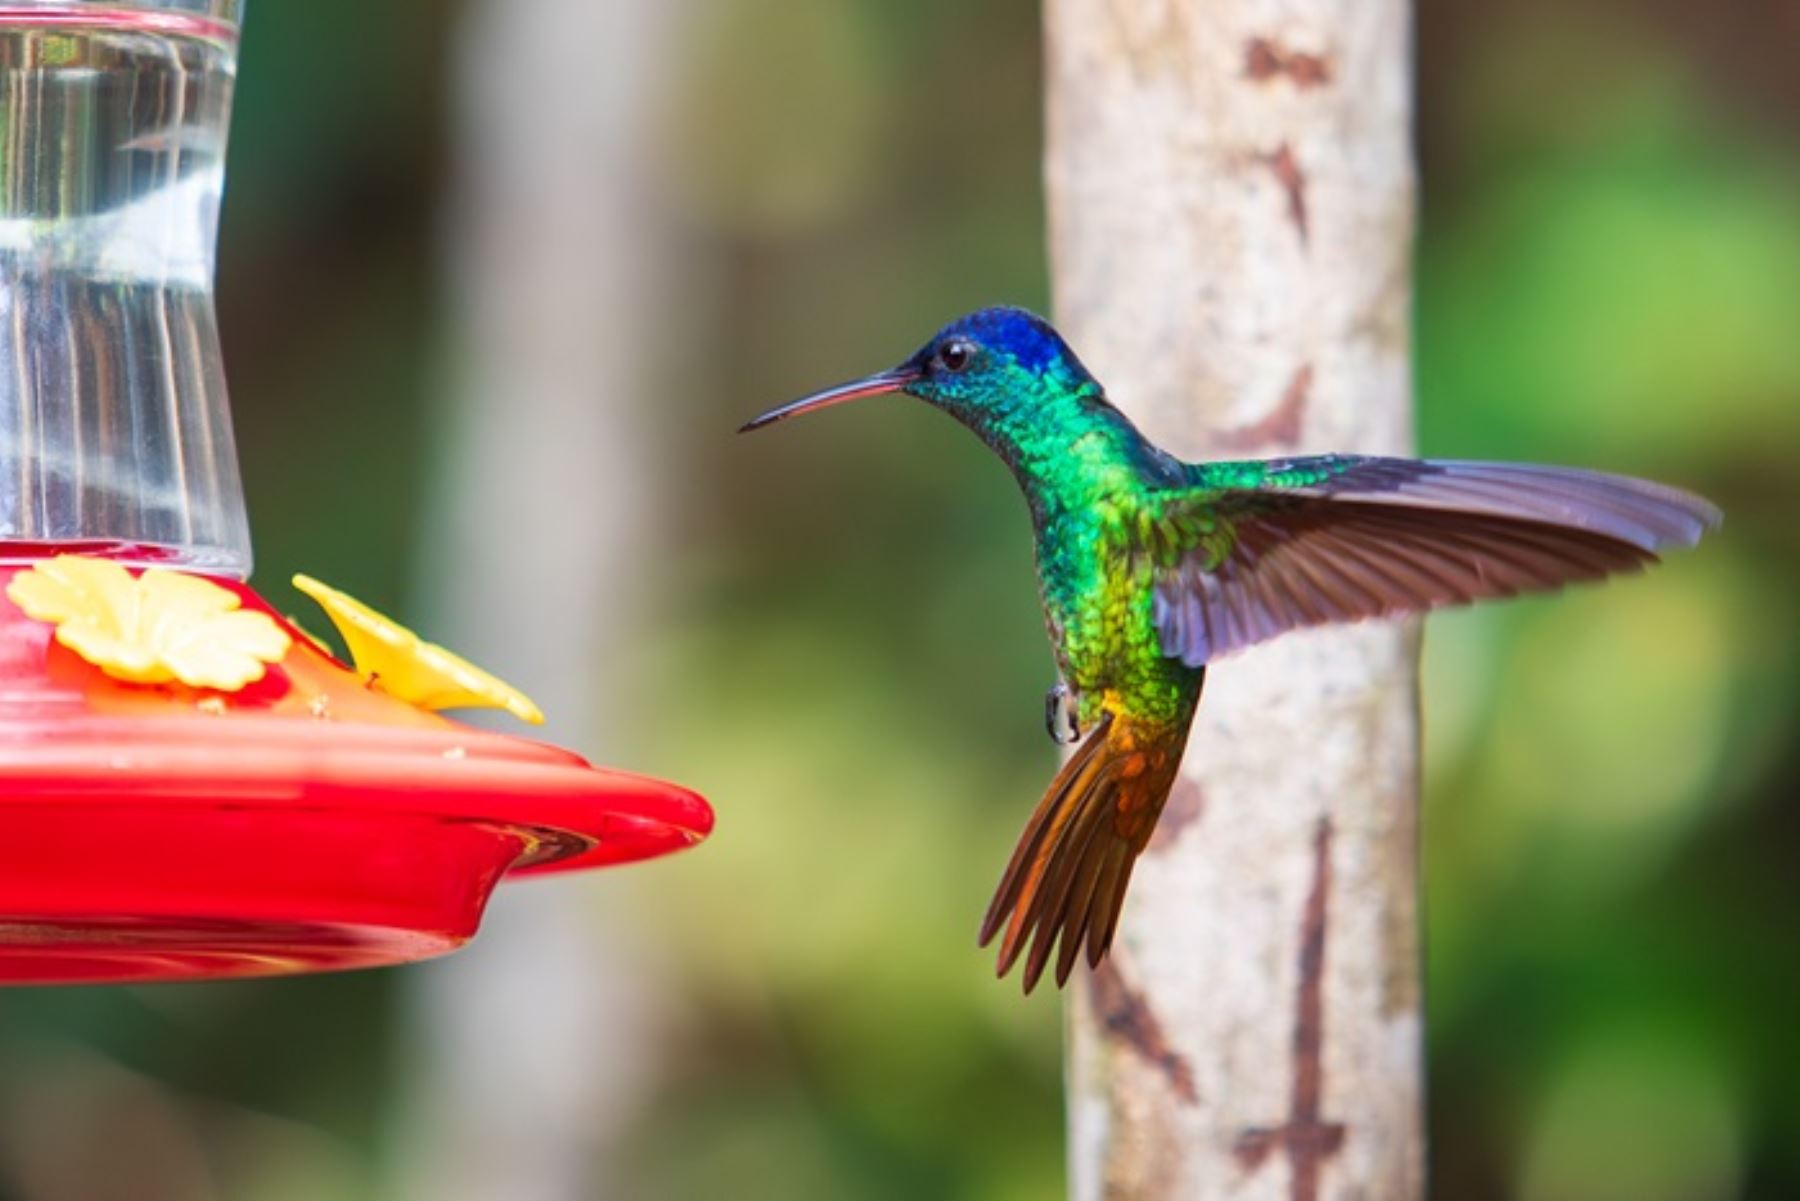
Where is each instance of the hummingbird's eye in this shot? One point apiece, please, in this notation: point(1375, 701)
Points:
point(955, 355)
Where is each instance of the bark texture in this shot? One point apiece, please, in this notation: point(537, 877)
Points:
point(1231, 212)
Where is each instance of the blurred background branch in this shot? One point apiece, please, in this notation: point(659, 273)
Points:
point(529, 1054)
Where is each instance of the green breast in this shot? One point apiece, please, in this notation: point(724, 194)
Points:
point(1092, 482)
point(1098, 606)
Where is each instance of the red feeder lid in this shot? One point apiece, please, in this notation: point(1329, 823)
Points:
point(307, 822)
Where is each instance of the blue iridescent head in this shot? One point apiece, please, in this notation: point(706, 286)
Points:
point(988, 362)
point(993, 356)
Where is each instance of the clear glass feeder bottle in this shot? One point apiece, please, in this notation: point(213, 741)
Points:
point(312, 815)
point(115, 433)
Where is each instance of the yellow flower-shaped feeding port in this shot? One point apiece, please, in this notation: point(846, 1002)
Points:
point(150, 628)
point(397, 661)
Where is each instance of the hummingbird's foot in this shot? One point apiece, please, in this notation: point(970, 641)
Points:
point(1061, 714)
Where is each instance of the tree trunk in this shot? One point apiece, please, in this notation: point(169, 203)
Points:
point(532, 1049)
point(1231, 212)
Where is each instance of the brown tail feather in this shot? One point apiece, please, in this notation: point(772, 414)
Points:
point(1067, 876)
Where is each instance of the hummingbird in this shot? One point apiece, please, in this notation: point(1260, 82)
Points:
point(1150, 568)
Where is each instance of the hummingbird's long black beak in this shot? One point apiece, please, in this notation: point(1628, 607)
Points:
point(879, 384)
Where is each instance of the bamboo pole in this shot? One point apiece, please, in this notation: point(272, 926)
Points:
point(1231, 213)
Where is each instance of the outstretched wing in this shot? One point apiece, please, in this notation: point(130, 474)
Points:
point(1256, 548)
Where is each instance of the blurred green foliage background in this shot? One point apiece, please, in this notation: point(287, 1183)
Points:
point(847, 656)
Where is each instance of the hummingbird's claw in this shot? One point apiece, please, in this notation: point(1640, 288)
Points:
point(1061, 717)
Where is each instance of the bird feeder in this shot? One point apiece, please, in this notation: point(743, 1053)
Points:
point(190, 785)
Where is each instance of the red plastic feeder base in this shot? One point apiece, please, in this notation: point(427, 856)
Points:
point(306, 823)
